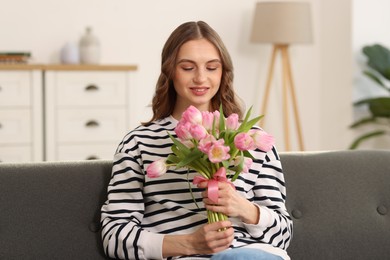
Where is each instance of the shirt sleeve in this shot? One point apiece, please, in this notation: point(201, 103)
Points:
point(275, 224)
point(122, 214)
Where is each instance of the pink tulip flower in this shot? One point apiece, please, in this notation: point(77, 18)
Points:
point(182, 130)
point(232, 122)
point(218, 152)
point(262, 139)
point(207, 120)
point(206, 143)
point(216, 119)
point(198, 132)
point(247, 164)
point(156, 168)
point(244, 142)
point(192, 115)
point(188, 143)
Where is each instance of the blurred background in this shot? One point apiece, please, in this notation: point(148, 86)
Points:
point(327, 72)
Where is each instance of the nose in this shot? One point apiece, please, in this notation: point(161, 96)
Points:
point(200, 76)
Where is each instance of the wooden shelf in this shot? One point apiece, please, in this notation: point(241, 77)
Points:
point(20, 66)
point(72, 67)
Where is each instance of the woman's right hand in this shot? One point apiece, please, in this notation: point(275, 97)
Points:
point(214, 237)
point(208, 239)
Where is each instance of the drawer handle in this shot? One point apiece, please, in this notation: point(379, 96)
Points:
point(91, 88)
point(92, 123)
point(92, 157)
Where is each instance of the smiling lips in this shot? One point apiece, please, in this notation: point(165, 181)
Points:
point(199, 91)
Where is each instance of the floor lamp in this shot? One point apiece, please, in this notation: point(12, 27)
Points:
point(282, 24)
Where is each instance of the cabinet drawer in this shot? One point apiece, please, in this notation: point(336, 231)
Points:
point(86, 152)
point(85, 125)
point(15, 153)
point(90, 88)
point(15, 126)
point(15, 88)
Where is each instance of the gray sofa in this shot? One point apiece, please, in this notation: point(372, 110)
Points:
point(339, 201)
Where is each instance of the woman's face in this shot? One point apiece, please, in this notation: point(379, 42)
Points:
point(197, 76)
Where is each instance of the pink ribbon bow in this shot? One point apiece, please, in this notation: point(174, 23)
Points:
point(212, 184)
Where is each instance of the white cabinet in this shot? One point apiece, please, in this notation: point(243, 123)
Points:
point(63, 112)
point(87, 113)
point(21, 116)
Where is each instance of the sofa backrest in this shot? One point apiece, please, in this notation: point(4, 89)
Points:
point(339, 201)
point(51, 210)
point(340, 204)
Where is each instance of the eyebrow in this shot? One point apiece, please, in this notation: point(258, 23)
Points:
point(191, 61)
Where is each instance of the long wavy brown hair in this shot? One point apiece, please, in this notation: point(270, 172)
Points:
point(164, 98)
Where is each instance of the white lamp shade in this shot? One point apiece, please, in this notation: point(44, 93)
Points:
point(282, 23)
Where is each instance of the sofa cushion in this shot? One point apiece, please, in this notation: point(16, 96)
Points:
point(52, 210)
point(340, 204)
point(339, 201)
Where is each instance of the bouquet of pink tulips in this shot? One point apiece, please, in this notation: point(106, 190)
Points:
point(214, 146)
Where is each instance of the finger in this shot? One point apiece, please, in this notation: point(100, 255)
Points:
point(219, 225)
point(220, 244)
point(208, 202)
point(222, 238)
point(202, 185)
point(224, 185)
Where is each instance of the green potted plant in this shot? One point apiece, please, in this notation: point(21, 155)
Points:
point(378, 61)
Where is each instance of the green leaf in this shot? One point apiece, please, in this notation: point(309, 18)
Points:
point(173, 159)
point(378, 59)
point(247, 115)
point(363, 121)
point(179, 145)
point(248, 154)
point(248, 125)
point(225, 164)
point(375, 79)
point(213, 130)
point(379, 107)
point(365, 137)
point(178, 153)
point(222, 119)
point(192, 156)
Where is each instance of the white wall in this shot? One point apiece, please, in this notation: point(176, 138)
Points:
point(133, 32)
point(370, 26)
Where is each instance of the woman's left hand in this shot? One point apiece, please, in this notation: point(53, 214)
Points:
point(231, 203)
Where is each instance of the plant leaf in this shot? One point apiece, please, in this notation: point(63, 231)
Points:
point(379, 107)
point(247, 115)
point(173, 159)
point(376, 79)
point(363, 121)
point(222, 122)
point(364, 137)
point(248, 154)
point(179, 145)
point(248, 125)
point(192, 156)
point(378, 59)
point(178, 153)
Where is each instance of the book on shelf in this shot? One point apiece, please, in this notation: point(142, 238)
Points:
point(14, 57)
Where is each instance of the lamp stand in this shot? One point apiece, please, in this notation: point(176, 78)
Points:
point(288, 88)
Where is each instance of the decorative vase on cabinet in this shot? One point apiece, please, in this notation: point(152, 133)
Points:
point(89, 48)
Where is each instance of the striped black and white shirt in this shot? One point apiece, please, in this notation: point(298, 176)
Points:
point(139, 210)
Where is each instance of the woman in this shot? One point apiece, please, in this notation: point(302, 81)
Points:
point(147, 218)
